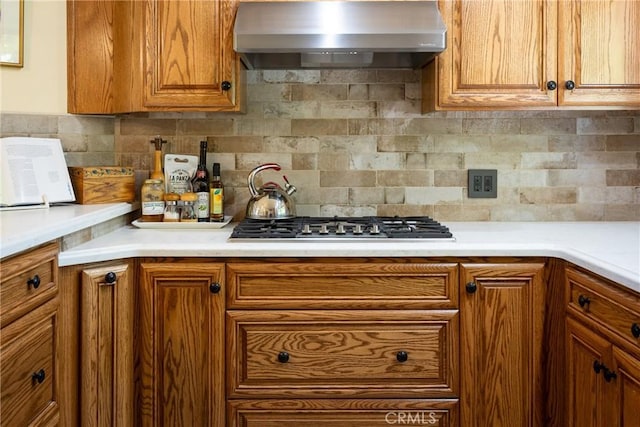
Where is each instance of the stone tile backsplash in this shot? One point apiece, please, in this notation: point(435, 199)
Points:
point(355, 143)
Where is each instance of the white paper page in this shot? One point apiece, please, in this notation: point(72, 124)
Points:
point(33, 168)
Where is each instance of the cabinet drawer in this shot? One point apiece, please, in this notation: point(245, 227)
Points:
point(373, 285)
point(611, 308)
point(346, 412)
point(361, 353)
point(28, 375)
point(28, 280)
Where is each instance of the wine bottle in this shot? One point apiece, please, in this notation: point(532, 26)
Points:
point(216, 197)
point(201, 185)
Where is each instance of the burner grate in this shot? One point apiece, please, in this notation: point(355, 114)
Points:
point(342, 228)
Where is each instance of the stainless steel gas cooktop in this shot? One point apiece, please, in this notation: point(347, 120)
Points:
point(367, 227)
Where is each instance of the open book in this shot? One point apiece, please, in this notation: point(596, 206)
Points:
point(33, 171)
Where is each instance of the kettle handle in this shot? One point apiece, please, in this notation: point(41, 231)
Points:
point(255, 171)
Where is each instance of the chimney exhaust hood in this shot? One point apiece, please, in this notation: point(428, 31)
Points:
point(338, 34)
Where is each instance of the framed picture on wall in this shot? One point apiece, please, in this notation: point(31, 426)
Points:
point(11, 32)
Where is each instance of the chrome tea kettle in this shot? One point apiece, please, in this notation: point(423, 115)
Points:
point(270, 201)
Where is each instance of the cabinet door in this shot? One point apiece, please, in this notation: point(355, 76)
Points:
point(599, 51)
point(586, 387)
point(500, 53)
point(106, 346)
point(627, 383)
point(182, 344)
point(189, 54)
point(501, 338)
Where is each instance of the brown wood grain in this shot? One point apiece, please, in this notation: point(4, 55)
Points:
point(90, 56)
point(501, 339)
point(374, 285)
point(27, 346)
point(500, 54)
point(343, 412)
point(17, 297)
point(586, 389)
point(181, 345)
point(345, 353)
point(106, 346)
point(599, 49)
point(627, 393)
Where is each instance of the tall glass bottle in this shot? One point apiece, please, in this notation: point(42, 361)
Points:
point(216, 197)
point(201, 185)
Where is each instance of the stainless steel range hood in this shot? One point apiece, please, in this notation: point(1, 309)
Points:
point(338, 34)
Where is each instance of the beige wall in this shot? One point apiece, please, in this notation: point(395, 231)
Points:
point(41, 85)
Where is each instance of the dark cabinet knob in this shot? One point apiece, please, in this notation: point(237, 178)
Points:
point(597, 366)
point(283, 357)
point(609, 375)
point(110, 277)
point(38, 377)
point(569, 85)
point(582, 300)
point(225, 85)
point(471, 287)
point(34, 282)
point(402, 356)
point(215, 288)
point(551, 85)
point(635, 330)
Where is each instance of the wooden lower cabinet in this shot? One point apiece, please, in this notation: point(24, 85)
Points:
point(29, 346)
point(501, 324)
point(603, 340)
point(181, 344)
point(341, 342)
point(106, 346)
point(342, 413)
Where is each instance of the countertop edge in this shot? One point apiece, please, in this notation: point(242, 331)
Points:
point(624, 277)
point(96, 214)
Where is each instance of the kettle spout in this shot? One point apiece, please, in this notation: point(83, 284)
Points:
point(289, 188)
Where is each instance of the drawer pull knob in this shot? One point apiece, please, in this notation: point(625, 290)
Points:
point(597, 366)
point(38, 377)
point(552, 85)
point(635, 330)
point(582, 300)
point(215, 287)
point(402, 356)
point(471, 287)
point(225, 85)
point(283, 357)
point(34, 282)
point(110, 277)
point(609, 375)
point(570, 85)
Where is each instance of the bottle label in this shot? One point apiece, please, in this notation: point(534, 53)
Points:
point(217, 196)
point(202, 205)
point(153, 208)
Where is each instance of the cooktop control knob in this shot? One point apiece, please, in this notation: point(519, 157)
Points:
point(375, 229)
point(357, 229)
point(306, 229)
point(340, 229)
point(323, 229)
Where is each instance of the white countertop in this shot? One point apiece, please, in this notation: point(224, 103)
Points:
point(611, 249)
point(26, 228)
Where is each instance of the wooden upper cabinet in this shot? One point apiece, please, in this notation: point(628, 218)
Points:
point(152, 55)
point(599, 51)
point(189, 61)
point(505, 54)
point(500, 53)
